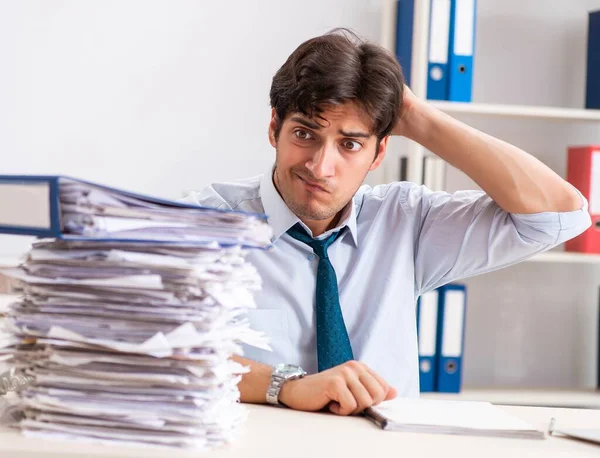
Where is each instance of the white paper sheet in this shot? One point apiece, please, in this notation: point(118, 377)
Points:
point(450, 415)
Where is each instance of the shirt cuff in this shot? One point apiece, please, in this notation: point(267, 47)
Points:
point(554, 227)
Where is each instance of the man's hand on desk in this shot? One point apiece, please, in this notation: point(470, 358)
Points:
point(346, 389)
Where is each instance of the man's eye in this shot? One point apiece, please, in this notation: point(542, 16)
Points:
point(302, 135)
point(351, 145)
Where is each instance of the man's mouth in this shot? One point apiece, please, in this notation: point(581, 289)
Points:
point(312, 185)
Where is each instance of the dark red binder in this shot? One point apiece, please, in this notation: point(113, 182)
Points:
point(583, 172)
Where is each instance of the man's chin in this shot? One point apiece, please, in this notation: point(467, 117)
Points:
point(308, 207)
point(314, 214)
point(304, 211)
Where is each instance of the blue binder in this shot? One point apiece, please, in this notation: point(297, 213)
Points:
point(461, 48)
point(592, 95)
point(427, 325)
point(439, 34)
point(450, 342)
point(404, 36)
point(40, 194)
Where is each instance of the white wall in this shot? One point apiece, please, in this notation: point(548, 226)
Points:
point(155, 96)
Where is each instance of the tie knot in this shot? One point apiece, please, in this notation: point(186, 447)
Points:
point(318, 246)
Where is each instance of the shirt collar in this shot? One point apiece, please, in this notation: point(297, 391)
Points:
point(281, 218)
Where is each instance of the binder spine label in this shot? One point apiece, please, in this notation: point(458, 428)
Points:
point(464, 32)
point(428, 323)
point(25, 205)
point(454, 310)
point(440, 29)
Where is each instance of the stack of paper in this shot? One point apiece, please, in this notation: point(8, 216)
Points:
point(450, 417)
point(130, 341)
point(88, 210)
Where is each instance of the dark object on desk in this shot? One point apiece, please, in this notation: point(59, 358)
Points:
point(583, 434)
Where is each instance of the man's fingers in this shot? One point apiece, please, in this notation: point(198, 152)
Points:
point(390, 391)
point(361, 394)
point(354, 387)
point(345, 403)
point(334, 407)
point(379, 378)
point(376, 390)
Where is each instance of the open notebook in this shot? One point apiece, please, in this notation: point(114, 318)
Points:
point(584, 434)
point(450, 417)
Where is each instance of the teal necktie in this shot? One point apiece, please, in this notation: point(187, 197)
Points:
point(333, 344)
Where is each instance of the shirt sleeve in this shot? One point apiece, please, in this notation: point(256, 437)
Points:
point(466, 233)
point(206, 197)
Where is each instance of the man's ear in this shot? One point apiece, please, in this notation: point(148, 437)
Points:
point(380, 153)
point(272, 127)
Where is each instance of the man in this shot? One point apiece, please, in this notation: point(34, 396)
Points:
point(349, 261)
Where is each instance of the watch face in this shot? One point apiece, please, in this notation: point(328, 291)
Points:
point(288, 369)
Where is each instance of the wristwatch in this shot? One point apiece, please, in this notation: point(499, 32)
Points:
point(281, 374)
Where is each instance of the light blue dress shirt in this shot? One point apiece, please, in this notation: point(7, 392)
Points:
point(402, 241)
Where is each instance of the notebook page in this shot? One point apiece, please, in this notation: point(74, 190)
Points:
point(591, 435)
point(454, 414)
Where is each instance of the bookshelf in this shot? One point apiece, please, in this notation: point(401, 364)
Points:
point(540, 323)
point(518, 111)
point(416, 152)
point(565, 257)
point(419, 87)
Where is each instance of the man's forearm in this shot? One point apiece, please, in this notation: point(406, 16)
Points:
point(518, 182)
point(254, 384)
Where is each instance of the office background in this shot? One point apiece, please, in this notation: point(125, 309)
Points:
point(164, 97)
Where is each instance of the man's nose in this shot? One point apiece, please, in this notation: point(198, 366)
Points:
point(321, 164)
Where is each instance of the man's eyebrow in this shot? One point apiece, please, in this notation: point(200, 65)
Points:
point(315, 126)
point(354, 134)
point(305, 122)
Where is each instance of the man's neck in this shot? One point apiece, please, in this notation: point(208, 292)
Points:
point(318, 227)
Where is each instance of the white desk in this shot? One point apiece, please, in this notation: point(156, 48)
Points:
point(521, 397)
point(273, 432)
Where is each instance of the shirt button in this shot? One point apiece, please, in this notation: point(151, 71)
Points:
point(311, 257)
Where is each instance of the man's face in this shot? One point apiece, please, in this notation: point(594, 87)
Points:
point(319, 167)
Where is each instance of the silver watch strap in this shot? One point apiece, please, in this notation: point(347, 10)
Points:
point(281, 374)
point(277, 381)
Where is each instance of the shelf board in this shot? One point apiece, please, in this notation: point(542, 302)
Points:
point(517, 111)
point(565, 257)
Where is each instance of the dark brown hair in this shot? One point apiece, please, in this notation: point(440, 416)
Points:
point(335, 68)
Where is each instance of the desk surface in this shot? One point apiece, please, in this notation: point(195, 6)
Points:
point(521, 397)
point(269, 431)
